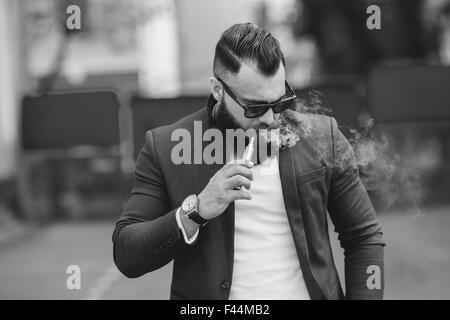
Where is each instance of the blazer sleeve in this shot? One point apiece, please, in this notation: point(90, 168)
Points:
point(146, 236)
point(355, 221)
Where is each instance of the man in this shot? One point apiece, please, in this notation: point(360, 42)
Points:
point(235, 232)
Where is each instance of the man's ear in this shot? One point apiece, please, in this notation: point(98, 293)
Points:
point(216, 88)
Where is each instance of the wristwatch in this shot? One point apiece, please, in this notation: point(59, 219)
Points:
point(189, 207)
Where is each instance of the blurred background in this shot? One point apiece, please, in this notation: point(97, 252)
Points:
point(75, 104)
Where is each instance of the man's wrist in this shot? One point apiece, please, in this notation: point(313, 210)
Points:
point(189, 228)
point(195, 214)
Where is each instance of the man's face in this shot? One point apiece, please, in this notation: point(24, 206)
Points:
point(250, 87)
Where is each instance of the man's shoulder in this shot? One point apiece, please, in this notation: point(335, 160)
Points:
point(310, 126)
point(164, 133)
point(315, 138)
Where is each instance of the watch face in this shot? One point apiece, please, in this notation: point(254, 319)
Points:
point(188, 203)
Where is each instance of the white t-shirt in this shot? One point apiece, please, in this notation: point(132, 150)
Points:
point(266, 265)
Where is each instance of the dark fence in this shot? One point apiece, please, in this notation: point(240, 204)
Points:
point(70, 140)
point(151, 113)
point(411, 107)
point(70, 159)
point(409, 93)
point(65, 120)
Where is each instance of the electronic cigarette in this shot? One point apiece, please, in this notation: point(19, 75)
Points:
point(248, 152)
point(248, 155)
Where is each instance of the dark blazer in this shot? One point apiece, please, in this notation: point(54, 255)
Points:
point(318, 175)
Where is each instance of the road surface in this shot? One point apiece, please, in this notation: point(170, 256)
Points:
point(34, 266)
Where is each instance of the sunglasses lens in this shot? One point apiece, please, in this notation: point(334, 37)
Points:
point(283, 106)
point(255, 112)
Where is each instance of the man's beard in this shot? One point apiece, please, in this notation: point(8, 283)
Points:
point(225, 120)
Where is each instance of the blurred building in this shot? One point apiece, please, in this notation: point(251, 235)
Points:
point(12, 82)
point(164, 49)
point(200, 24)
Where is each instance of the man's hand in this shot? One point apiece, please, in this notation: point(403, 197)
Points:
point(220, 192)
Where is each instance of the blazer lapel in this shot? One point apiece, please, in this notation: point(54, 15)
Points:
point(223, 226)
point(295, 218)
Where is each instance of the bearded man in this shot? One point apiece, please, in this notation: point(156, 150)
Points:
point(235, 231)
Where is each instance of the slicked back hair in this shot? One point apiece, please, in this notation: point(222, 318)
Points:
point(250, 43)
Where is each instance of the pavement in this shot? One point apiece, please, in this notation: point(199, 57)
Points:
point(34, 265)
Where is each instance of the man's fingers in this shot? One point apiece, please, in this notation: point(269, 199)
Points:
point(238, 181)
point(237, 169)
point(240, 162)
point(229, 164)
point(240, 195)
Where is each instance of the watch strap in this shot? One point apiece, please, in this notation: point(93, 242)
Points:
point(194, 216)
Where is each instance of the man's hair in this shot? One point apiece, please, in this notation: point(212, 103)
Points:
point(249, 43)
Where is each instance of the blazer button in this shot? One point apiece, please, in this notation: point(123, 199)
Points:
point(225, 285)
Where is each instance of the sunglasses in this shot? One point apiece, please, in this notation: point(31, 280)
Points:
point(258, 109)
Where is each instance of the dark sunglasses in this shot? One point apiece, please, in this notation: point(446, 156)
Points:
point(258, 109)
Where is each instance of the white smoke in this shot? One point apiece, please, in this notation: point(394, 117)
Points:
point(389, 178)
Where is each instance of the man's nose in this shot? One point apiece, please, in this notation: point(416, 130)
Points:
point(267, 117)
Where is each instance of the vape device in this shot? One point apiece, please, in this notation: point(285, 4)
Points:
point(248, 154)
